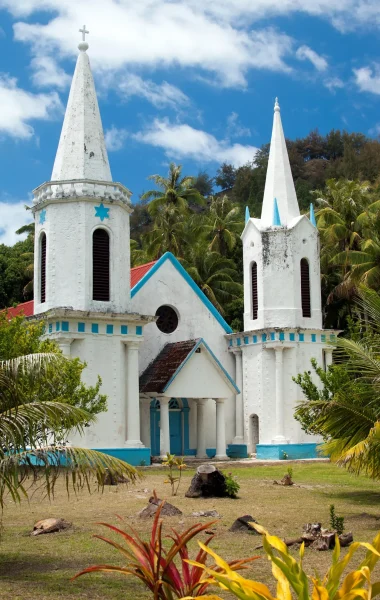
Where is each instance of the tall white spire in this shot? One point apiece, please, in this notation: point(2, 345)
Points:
point(279, 185)
point(82, 151)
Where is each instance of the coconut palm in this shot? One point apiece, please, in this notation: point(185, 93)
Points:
point(214, 274)
point(350, 418)
point(364, 264)
point(221, 224)
point(174, 193)
point(33, 434)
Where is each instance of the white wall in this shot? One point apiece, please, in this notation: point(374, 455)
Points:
point(69, 227)
point(278, 252)
point(167, 286)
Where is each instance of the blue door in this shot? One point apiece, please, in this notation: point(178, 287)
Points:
point(175, 424)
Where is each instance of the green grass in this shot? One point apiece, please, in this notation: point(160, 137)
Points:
point(41, 567)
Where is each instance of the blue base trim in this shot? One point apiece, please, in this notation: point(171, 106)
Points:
point(190, 451)
point(293, 451)
point(237, 451)
point(133, 456)
point(211, 452)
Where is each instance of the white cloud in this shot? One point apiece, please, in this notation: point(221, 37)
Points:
point(375, 130)
point(13, 215)
point(160, 95)
point(333, 83)
point(368, 79)
point(156, 34)
point(48, 74)
point(182, 141)
point(306, 53)
point(115, 138)
point(18, 107)
point(235, 128)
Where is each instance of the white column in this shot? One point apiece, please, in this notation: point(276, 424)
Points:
point(239, 407)
point(65, 346)
point(279, 438)
point(328, 357)
point(145, 421)
point(164, 426)
point(201, 428)
point(220, 429)
point(132, 393)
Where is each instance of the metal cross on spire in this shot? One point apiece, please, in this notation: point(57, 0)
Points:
point(83, 32)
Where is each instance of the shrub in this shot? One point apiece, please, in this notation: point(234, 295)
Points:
point(290, 575)
point(336, 523)
point(172, 461)
point(165, 572)
point(232, 485)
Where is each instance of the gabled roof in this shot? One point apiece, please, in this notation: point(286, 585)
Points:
point(139, 277)
point(168, 256)
point(26, 309)
point(162, 371)
point(138, 273)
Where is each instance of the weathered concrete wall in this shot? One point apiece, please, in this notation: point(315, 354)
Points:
point(69, 226)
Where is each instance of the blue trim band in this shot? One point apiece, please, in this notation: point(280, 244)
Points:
point(177, 265)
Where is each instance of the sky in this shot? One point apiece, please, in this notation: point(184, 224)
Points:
point(189, 81)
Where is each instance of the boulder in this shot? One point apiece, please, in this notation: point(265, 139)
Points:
point(168, 510)
point(242, 524)
point(50, 526)
point(346, 539)
point(208, 482)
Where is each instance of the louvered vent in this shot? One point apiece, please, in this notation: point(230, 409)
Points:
point(43, 268)
point(100, 265)
point(305, 288)
point(255, 301)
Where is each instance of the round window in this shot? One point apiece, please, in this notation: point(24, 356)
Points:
point(167, 321)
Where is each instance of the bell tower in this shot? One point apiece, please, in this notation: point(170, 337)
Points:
point(82, 269)
point(282, 312)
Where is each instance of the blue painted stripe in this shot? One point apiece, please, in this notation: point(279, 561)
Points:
point(65, 326)
point(255, 339)
point(138, 330)
point(81, 327)
point(272, 336)
point(292, 337)
point(313, 337)
point(177, 265)
point(123, 329)
point(109, 329)
point(201, 342)
point(282, 336)
point(94, 328)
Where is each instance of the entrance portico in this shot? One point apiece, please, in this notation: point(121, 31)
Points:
point(186, 378)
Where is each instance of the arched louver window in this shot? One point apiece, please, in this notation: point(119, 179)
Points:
point(255, 301)
point(43, 268)
point(305, 288)
point(100, 265)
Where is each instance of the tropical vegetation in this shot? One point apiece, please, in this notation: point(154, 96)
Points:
point(292, 580)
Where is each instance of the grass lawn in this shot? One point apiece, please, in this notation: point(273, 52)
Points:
point(41, 567)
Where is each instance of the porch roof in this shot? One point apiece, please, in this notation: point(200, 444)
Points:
point(187, 369)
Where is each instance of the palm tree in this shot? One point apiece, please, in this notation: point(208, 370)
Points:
point(33, 434)
point(221, 224)
point(214, 274)
point(350, 417)
point(174, 194)
point(364, 264)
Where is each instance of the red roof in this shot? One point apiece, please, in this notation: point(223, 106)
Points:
point(138, 273)
point(27, 308)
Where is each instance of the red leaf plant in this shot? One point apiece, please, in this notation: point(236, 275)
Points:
point(154, 565)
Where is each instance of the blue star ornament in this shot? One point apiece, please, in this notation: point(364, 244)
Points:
point(102, 212)
point(42, 216)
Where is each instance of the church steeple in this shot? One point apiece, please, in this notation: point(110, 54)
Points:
point(82, 151)
point(279, 183)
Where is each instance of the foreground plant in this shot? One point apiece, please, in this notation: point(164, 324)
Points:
point(292, 581)
point(174, 462)
point(32, 434)
point(154, 565)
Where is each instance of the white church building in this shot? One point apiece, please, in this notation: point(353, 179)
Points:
point(177, 378)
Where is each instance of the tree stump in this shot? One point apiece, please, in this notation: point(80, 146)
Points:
point(208, 482)
point(346, 539)
point(168, 510)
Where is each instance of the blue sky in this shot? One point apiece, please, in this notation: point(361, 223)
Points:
point(192, 81)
